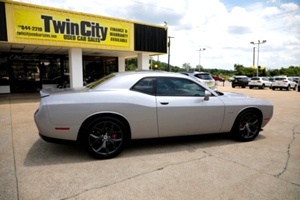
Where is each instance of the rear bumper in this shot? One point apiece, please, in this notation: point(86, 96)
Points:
point(57, 141)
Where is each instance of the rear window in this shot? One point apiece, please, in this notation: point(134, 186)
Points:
point(100, 81)
point(279, 79)
point(204, 76)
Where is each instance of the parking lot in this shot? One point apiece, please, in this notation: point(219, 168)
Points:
point(200, 167)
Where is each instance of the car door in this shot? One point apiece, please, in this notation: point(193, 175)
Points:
point(182, 110)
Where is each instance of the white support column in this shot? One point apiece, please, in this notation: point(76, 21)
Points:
point(75, 66)
point(143, 61)
point(121, 62)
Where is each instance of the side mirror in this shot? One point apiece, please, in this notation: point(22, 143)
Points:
point(206, 95)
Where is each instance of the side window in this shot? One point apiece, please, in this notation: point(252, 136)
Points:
point(145, 85)
point(167, 86)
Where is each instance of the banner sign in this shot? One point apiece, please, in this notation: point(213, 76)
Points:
point(32, 24)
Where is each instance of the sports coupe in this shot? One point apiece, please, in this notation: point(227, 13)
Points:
point(109, 112)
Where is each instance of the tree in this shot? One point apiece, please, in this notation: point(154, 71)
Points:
point(186, 66)
point(199, 68)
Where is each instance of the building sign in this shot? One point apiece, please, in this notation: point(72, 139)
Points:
point(37, 25)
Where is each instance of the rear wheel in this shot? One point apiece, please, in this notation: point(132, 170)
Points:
point(247, 125)
point(104, 137)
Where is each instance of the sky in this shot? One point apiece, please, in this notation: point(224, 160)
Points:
point(225, 28)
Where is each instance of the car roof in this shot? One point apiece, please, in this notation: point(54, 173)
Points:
point(194, 73)
point(125, 80)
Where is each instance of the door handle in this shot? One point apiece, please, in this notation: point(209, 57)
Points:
point(164, 103)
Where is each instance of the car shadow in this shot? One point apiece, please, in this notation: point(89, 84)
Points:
point(46, 153)
point(43, 153)
point(182, 143)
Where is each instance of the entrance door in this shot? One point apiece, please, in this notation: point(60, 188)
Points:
point(25, 77)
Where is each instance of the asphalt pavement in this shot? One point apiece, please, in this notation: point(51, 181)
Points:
point(200, 167)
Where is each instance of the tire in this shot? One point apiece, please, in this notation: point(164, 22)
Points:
point(273, 88)
point(263, 86)
point(288, 88)
point(295, 87)
point(104, 137)
point(247, 125)
point(250, 87)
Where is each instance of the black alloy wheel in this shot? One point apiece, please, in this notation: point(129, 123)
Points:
point(247, 125)
point(104, 137)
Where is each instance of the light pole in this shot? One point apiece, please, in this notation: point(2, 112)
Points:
point(257, 61)
point(169, 51)
point(201, 49)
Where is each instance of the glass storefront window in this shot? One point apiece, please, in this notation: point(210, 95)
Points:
point(55, 71)
point(95, 68)
point(32, 72)
point(4, 71)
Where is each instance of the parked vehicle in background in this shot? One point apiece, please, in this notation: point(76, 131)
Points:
point(296, 79)
point(271, 79)
point(202, 77)
point(231, 79)
point(218, 78)
point(241, 81)
point(260, 82)
point(283, 82)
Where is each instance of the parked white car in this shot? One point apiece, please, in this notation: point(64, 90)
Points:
point(202, 77)
point(284, 82)
point(259, 82)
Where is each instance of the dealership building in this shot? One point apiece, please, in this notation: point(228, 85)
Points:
point(43, 46)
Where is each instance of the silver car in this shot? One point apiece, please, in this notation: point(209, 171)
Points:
point(106, 114)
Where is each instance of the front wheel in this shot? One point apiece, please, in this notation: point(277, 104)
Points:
point(247, 125)
point(104, 137)
point(288, 88)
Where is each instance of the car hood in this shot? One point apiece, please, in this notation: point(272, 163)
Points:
point(233, 95)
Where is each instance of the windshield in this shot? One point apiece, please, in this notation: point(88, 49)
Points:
point(100, 81)
point(204, 76)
